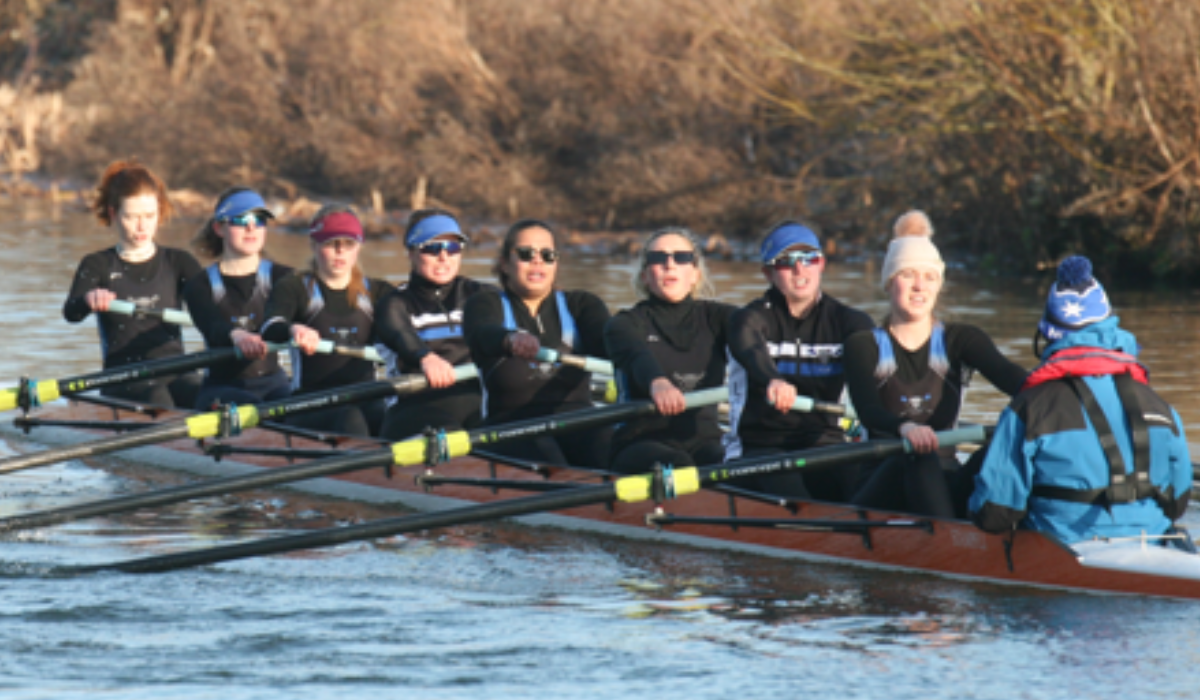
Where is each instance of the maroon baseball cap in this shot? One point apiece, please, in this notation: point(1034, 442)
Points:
point(336, 225)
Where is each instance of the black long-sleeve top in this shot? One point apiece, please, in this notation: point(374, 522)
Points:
point(966, 345)
point(682, 342)
point(216, 325)
point(484, 329)
point(421, 317)
point(156, 283)
point(763, 338)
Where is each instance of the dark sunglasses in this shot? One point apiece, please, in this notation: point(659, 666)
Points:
point(787, 261)
point(258, 220)
point(525, 254)
point(660, 257)
point(435, 248)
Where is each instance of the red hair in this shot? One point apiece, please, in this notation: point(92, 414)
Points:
point(124, 179)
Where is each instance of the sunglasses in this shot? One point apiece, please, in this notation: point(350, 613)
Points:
point(244, 220)
point(525, 254)
point(436, 248)
point(660, 257)
point(787, 261)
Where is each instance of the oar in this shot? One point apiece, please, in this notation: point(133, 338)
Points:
point(631, 489)
point(233, 420)
point(31, 393)
point(404, 454)
point(805, 404)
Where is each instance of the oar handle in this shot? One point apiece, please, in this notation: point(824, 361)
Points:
point(587, 364)
point(946, 438)
point(805, 404)
point(706, 397)
point(128, 308)
point(328, 347)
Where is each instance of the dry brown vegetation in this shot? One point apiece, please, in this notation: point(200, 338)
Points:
point(1028, 129)
point(1032, 128)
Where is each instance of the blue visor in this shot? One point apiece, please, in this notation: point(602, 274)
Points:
point(785, 237)
point(239, 203)
point(428, 229)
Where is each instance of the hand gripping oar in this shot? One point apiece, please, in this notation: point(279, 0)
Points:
point(404, 454)
point(230, 421)
point(631, 489)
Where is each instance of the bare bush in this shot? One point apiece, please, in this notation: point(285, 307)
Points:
point(1034, 128)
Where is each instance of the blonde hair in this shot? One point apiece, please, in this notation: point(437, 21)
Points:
point(704, 288)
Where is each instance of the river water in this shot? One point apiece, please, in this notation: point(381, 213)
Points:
point(509, 611)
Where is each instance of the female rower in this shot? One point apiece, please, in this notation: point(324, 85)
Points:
point(505, 331)
point(788, 343)
point(421, 325)
point(669, 343)
point(332, 300)
point(907, 378)
point(133, 201)
point(229, 300)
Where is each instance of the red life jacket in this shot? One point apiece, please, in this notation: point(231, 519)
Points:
point(1086, 362)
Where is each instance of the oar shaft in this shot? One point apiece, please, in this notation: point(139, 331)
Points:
point(572, 498)
point(172, 316)
point(587, 364)
point(52, 389)
point(160, 433)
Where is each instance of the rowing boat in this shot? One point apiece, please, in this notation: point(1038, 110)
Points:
point(722, 518)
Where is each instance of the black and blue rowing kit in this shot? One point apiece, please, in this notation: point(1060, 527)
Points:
point(515, 389)
point(684, 343)
point(766, 342)
point(891, 385)
point(220, 304)
point(153, 284)
point(304, 299)
point(417, 319)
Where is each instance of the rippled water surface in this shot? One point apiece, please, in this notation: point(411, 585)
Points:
point(512, 611)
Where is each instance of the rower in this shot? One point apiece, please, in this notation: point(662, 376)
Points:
point(908, 377)
point(420, 328)
point(1087, 449)
point(133, 201)
point(669, 343)
point(332, 300)
point(787, 343)
point(505, 331)
point(228, 302)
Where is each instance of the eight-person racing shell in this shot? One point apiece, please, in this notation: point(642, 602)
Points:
point(1087, 449)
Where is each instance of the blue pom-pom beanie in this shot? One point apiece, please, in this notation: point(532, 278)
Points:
point(1076, 300)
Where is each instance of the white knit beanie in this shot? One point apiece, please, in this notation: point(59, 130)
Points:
point(911, 247)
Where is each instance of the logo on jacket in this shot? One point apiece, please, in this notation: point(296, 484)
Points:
point(342, 335)
point(244, 322)
point(687, 382)
point(917, 406)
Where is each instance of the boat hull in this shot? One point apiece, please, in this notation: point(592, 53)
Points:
point(889, 540)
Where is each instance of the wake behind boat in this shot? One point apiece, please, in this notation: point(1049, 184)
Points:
point(721, 518)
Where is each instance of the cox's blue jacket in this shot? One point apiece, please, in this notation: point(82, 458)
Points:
point(1046, 437)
